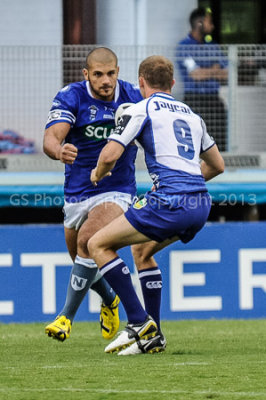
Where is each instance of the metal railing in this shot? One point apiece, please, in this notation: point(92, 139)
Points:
point(30, 76)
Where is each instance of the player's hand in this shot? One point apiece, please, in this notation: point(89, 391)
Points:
point(94, 178)
point(68, 153)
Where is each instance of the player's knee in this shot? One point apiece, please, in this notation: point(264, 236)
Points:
point(92, 247)
point(137, 254)
point(82, 242)
point(141, 258)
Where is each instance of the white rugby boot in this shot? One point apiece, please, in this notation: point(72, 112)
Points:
point(133, 333)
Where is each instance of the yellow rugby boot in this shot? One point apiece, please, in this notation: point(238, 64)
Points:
point(109, 319)
point(59, 329)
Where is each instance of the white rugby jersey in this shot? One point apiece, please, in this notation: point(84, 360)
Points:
point(172, 137)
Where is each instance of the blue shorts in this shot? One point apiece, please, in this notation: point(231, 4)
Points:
point(162, 217)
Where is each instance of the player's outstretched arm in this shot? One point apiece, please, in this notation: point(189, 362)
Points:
point(53, 146)
point(212, 164)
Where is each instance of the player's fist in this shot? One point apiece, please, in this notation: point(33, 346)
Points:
point(67, 153)
point(94, 177)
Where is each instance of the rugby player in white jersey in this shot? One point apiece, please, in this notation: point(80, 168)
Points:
point(174, 139)
point(79, 122)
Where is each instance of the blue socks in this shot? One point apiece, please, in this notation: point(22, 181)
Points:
point(83, 274)
point(116, 279)
point(151, 285)
point(118, 276)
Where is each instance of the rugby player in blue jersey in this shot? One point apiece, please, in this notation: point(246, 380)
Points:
point(79, 122)
point(174, 139)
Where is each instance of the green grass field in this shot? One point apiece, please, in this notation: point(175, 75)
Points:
point(203, 360)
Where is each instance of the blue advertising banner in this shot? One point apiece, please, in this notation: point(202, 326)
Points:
point(219, 274)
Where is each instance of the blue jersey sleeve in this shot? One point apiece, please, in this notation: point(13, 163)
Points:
point(64, 107)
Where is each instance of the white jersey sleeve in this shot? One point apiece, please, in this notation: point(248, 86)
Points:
point(130, 124)
point(207, 141)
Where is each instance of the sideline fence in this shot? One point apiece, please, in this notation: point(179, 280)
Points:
point(30, 76)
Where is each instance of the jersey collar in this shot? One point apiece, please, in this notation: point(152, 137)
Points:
point(163, 94)
point(193, 40)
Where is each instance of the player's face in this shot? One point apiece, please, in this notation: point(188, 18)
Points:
point(102, 78)
point(208, 24)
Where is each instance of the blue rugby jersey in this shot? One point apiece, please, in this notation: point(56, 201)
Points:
point(192, 54)
point(92, 121)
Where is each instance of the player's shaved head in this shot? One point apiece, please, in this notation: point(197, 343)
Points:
point(102, 73)
point(101, 55)
point(158, 72)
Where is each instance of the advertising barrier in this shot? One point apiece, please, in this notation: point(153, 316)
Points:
point(220, 274)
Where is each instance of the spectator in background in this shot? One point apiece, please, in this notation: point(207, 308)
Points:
point(203, 67)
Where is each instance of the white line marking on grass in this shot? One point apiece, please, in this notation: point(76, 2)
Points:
point(48, 367)
point(106, 391)
point(79, 365)
point(181, 364)
point(59, 366)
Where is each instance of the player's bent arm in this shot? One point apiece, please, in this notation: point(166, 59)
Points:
point(212, 164)
point(111, 152)
point(220, 73)
point(53, 146)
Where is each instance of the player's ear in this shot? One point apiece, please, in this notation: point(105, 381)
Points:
point(141, 81)
point(173, 82)
point(142, 86)
point(118, 69)
point(85, 73)
point(200, 25)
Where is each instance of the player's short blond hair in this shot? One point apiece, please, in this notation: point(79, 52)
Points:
point(158, 72)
